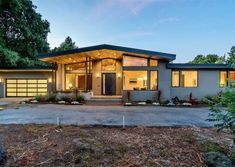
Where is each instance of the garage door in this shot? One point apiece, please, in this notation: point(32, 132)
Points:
point(26, 87)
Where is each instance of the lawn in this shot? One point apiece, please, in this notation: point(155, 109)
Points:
point(49, 145)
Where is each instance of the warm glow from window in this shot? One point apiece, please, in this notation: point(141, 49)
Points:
point(189, 78)
point(153, 63)
point(70, 81)
point(153, 82)
point(134, 61)
point(108, 65)
point(135, 80)
point(223, 78)
point(232, 75)
point(175, 78)
point(26, 87)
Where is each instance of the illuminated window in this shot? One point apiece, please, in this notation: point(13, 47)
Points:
point(232, 78)
point(134, 61)
point(175, 78)
point(189, 78)
point(70, 81)
point(223, 78)
point(153, 82)
point(153, 63)
point(108, 65)
point(79, 67)
point(135, 80)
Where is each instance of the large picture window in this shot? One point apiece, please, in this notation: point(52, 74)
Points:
point(189, 78)
point(175, 79)
point(134, 61)
point(223, 78)
point(153, 82)
point(135, 80)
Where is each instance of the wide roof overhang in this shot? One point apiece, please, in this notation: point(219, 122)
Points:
point(101, 52)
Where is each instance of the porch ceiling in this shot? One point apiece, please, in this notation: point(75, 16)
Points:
point(100, 52)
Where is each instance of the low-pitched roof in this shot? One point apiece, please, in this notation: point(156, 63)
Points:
point(166, 56)
point(198, 66)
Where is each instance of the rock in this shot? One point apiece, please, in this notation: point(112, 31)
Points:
point(33, 101)
point(75, 102)
point(3, 156)
point(170, 104)
point(61, 102)
point(81, 146)
point(216, 159)
point(186, 104)
point(142, 103)
point(156, 104)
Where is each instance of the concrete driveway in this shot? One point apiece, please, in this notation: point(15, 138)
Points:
point(106, 115)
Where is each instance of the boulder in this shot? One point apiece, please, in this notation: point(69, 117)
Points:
point(216, 159)
point(75, 102)
point(3, 156)
point(61, 102)
point(83, 146)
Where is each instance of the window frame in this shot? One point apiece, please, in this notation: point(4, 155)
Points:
point(147, 84)
point(150, 78)
point(226, 82)
point(147, 64)
point(179, 77)
point(115, 64)
point(181, 82)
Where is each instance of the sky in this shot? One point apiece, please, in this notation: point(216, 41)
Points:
point(182, 27)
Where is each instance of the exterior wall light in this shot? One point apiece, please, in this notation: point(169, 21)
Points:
point(70, 86)
point(97, 75)
point(119, 75)
point(1, 80)
point(49, 80)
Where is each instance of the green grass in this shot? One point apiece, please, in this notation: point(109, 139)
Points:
point(210, 146)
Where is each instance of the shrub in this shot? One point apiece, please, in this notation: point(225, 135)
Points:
point(222, 109)
point(40, 98)
point(149, 101)
point(66, 98)
point(79, 98)
point(51, 97)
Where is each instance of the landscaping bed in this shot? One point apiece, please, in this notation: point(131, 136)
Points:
point(49, 145)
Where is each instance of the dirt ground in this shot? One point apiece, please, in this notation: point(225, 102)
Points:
point(49, 145)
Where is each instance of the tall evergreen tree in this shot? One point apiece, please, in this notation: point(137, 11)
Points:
point(231, 56)
point(68, 44)
point(23, 32)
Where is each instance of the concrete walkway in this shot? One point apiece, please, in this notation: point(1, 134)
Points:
point(106, 115)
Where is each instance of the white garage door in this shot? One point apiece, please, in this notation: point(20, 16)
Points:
point(26, 87)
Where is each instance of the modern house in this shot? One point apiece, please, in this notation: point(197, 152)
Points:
point(107, 70)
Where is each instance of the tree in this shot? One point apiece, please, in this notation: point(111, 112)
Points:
point(22, 30)
point(68, 44)
point(231, 54)
point(208, 59)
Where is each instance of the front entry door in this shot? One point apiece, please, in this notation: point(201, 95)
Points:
point(109, 84)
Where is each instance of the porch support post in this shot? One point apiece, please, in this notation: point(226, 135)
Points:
point(86, 78)
point(148, 75)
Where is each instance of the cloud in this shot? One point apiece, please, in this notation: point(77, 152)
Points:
point(116, 7)
point(128, 36)
point(168, 20)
